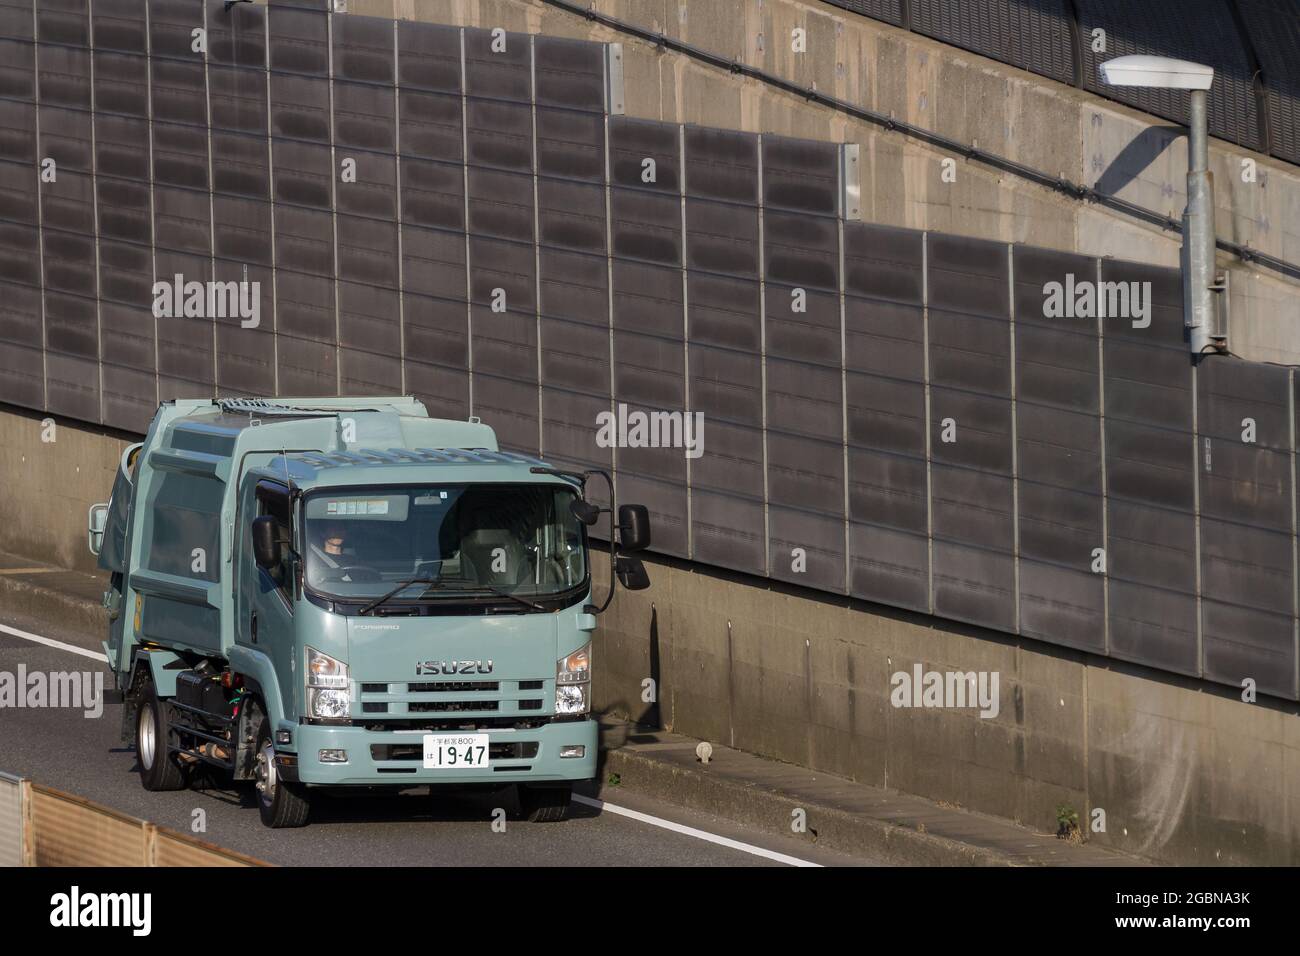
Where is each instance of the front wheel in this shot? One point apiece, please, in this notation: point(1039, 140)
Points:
point(545, 804)
point(280, 803)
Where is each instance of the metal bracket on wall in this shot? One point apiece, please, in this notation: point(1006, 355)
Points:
point(614, 78)
point(850, 184)
point(1222, 312)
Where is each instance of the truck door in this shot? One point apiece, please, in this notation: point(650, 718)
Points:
point(266, 595)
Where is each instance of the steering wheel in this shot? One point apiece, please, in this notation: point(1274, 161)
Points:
point(360, 574)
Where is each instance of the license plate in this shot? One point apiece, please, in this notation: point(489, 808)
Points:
point(455, 751)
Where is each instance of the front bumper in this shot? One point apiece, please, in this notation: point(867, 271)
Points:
point(366, 751)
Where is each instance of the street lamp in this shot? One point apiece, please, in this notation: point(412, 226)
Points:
point(1200, 281)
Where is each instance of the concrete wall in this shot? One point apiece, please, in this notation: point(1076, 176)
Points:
point(1024, 117)
point(52, 471)
point(1185, 772)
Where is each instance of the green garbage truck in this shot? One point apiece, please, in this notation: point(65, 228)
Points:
point(345, 592)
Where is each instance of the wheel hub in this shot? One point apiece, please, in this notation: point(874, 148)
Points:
point(265, 773)
point(146, 737)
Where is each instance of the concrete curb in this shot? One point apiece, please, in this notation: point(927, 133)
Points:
point(769, 810)
point(50, 606)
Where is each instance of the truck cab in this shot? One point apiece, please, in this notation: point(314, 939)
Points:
point(311, 593)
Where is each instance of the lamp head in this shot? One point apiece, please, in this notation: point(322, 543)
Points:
point(1157, 72)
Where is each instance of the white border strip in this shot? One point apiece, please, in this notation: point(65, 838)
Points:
point(49, 642)
point(692, 832)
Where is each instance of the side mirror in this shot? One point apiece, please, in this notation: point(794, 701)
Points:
point(266, 542)
point(584, 511)
point(96, 522)
point(631, 573)
point(633, 527)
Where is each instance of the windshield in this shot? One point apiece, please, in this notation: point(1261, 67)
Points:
point(518, 539)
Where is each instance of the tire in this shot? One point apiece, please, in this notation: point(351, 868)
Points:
point(545, 804)
point(282, 805)
point(159, 768)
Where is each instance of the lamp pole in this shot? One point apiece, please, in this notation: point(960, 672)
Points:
point(1199, 274)
point(1198, 231)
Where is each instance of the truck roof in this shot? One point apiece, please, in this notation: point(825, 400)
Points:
point(366, 466)
point(332, 442)
point(328, 425)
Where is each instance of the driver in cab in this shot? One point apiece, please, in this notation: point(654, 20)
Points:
point(329, 546)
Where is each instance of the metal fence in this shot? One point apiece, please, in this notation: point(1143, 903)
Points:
point(41, 826)
point(887, 414)
point(11, 821)
point(1253, 45)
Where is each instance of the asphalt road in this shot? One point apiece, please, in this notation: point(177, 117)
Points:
point(63, 748)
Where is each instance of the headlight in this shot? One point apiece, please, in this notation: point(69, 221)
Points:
point(328, 696)
point(573, 682)
point(576, 668)
point(571, 699)
point(327, 704)
point(325, 671)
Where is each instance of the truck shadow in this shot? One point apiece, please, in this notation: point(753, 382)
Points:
point(423, 805)
point(419, 804)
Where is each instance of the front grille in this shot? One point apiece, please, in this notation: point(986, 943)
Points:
point(521, 750)
point(491, 699)
point(450, 686)
point(438, 725)
point(450, 706)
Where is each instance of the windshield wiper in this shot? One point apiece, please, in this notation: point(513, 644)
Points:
point(443, 586)
point(400, 587)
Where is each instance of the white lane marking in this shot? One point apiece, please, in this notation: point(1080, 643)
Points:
point(692, 832)
point(50, 642)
